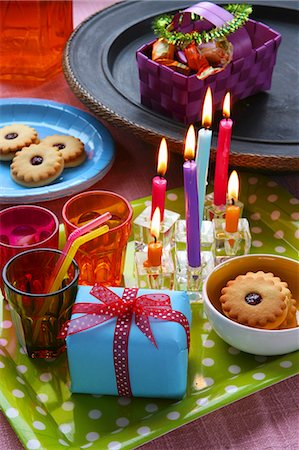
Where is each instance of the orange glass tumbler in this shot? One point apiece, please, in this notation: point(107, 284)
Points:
point(102, 259)
point(33, 34)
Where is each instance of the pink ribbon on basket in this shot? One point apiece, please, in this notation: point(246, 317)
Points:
point(157, 306)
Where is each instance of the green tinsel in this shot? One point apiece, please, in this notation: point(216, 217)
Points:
point(163, 27)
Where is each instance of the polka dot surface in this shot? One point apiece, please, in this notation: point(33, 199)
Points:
point(94, 414)
point(39, 425)
point(231, 389)
point(208, 362)
point(252, 199)
point(33, 444)
point(259, 376)
point(92, 436)
point(18, 393)
point(143, 431)
point(46, 377)
point(42, 397)
point(38, 396)
point(68, 406)
point(275, 215)
point(11, 413)
point(286, 364)
point(122, 422)
point(173, 415)
point(172, 197)
point(114, 445)
point(234, 369)
point(65, 428)
point(151, 407)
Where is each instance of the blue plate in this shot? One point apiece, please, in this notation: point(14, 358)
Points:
point(48, 118)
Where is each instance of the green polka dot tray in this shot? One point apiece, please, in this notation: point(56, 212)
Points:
point(35, 395)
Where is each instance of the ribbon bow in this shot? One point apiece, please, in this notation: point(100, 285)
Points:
point(157, 306)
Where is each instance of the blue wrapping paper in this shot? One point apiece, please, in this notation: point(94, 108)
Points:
point(154, 372)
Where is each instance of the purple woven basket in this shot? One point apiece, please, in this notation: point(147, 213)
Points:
point(181, 97)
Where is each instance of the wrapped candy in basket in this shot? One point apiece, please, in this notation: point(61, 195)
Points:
point(129, 342)
point(205, 45)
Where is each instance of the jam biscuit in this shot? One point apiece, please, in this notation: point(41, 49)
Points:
point(36, 165)
point(291, 319)
point(72, 148)
point(257, 301)
point(14, 137)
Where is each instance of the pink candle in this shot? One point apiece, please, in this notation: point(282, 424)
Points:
point(159, 183)
point(222, 155)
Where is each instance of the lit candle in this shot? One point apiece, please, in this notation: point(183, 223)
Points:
point(222, 155)
point(159, 183)
point(154, 249)
point(203, 150)
point(191, 201)
point(232, 212)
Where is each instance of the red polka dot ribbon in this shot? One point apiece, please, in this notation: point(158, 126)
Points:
point(157, 306)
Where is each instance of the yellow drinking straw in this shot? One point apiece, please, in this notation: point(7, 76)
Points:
point(71, 253)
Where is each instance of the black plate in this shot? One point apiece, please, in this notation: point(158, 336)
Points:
point(100, 66)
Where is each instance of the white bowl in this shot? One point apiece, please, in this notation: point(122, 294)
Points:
point(242, 337)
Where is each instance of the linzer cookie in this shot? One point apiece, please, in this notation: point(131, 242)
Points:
point(257, 300)
point(14, 137)
point(36, 165)
point(72, 148)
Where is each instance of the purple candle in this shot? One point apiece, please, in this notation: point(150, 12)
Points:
point(191, 201)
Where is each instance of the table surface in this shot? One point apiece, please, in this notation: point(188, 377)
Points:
point(265, 420)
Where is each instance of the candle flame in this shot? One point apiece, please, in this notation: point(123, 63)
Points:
point(155, 225)
point(190, 143)
point(233, 186)
point(207, 109)
point(162, 158)
point(226, 106)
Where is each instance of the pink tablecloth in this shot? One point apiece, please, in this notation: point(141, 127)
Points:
point(265, 420)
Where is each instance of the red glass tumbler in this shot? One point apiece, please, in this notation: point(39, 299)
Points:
point(25, 227)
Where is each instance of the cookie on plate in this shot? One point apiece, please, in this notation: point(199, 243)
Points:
point(14, 137)
point(256, 300)
point(36, 165)
point(72, 148)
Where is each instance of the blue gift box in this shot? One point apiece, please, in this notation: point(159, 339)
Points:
point(154, 371)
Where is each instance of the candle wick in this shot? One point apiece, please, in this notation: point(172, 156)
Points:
point(155, 239)
point(233, 201)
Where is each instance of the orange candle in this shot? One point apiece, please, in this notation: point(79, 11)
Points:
point(154, 249)
point(232, 214)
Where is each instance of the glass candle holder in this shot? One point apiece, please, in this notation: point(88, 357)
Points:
point(38, 315)
point(142, 228)
point(154, 277)
point(189, 278)
point(227, 244)
point(212, 211)
point(206, 235)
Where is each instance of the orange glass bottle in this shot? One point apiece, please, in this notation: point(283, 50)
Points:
point(32, 37)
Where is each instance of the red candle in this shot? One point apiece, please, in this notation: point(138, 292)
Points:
point(159, 183)
point(232, 214)
point(222, 155)
point(154, 249)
